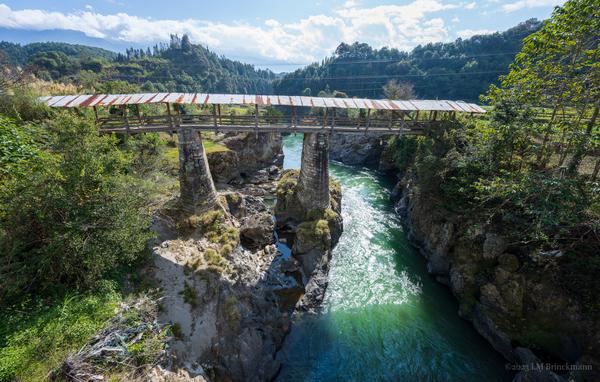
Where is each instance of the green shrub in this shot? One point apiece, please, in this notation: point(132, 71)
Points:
point(214, 260)
point(189, 295)
point(22, 105)
point(232, 311)
point(177, 331)
point(286, 186)
point(69, 213)
point(37, 334)
point(147, 151)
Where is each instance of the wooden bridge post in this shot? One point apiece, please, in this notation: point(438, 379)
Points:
point(333, 119)
point(138, 113)
point(294, 121)
point(197, 190)
point(313, 184)
point(126, 118)
point(96, 114)
point(215, 119)
point(169, 116)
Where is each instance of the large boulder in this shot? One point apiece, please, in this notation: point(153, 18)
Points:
point(255, 150)
point(243, 155)
point(224, 165)
point(257, 230)
point(235, 204)
point(493, 246)
point(533, 369)
point(356, 149)
point(491, 332)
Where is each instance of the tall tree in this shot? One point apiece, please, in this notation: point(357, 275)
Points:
point(395, 90)
point(559, 69)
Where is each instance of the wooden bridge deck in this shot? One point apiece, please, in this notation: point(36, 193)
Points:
point(133, 125)
point(123, 113)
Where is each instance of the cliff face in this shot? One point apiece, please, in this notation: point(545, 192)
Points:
point(362, 150)
point(314, 234)
point(513, 297)
point(356, 149)
point(247, 153)
point(227, 291)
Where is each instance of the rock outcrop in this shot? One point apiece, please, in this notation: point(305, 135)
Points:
point(315, 232)
point(229, 306)
point(512, 296)
point(356, 149)
point(362, 150)
point(228, 292)
point(246, 154)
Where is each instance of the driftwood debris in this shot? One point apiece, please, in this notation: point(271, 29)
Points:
point(131, 341)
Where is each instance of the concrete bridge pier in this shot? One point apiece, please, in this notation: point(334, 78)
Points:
point(313, 184)
point(197, 189)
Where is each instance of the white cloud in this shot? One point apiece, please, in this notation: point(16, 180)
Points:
point(515, 6)
point(88, 7)
point(307, 40)
point(466, 33)
point(470, 5)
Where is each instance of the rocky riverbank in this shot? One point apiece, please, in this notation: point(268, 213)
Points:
point(228, 292)
point(313, 233)
point(514, 297)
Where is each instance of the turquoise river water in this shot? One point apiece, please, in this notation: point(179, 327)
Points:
point(384, 317)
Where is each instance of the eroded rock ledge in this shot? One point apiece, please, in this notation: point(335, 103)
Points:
point(228, 293)
point(512, 297)
point(314, 233)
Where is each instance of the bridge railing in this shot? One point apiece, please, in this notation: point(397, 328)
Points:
point(390, 121)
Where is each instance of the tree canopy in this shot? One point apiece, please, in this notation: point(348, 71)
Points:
point(460, 70)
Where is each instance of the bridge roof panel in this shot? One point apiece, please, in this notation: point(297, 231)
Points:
point(261, 100)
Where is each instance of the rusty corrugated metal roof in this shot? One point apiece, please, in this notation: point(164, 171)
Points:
point(262, 100)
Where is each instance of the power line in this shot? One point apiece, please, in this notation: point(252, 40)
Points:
point(397, 75)
point(387, 60)
point(356, 77)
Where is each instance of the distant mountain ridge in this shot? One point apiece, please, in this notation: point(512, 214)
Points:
point(460, 70)
point(176, 66)
point(18, 54)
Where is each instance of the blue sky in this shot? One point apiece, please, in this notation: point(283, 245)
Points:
point(269, 33)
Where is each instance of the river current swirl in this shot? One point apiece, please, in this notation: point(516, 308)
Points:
point(384, 317)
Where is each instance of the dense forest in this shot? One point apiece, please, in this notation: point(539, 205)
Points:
point(460, 70)
point(16, 54)
point(177, 66)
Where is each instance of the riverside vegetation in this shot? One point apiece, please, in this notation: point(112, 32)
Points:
point(76, 207)
point(507, 208)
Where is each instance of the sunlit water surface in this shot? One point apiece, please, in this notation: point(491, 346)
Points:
point(385, 318)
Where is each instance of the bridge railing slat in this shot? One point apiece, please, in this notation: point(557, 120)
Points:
point(396, 122)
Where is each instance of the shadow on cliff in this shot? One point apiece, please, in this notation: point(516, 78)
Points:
point(233, 322)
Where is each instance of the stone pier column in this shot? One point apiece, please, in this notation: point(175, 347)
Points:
point(197, 189)
point(313, 184)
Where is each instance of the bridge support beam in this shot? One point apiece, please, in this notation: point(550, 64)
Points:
point(196, 185)
point(313, 184)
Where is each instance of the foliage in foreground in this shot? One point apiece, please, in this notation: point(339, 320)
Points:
point(37, 335)
point(69, 209)
point(502, 170)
